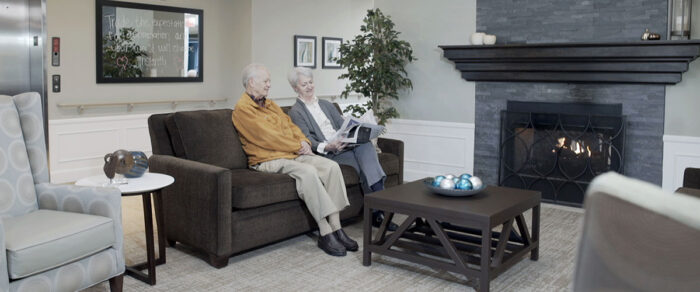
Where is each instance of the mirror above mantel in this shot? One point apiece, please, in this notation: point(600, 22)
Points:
point(642, 62)
point(148, 43)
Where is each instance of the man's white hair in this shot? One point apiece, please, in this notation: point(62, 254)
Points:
point(251, 71)
point(294, 74)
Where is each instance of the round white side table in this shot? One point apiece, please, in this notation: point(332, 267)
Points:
point(149, 183)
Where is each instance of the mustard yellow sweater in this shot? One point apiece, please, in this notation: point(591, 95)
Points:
point(266, 133)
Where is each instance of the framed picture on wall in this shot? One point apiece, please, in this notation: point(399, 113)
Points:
point(331, 52)
point(304, 51)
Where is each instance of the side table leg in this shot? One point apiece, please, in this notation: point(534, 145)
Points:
point(160, 223)
point(367, 237)
point(535, 253)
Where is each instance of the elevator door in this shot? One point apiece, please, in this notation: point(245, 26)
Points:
point(21, 46)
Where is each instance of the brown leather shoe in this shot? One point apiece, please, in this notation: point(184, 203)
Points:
point(331, 245)
point(349, 244)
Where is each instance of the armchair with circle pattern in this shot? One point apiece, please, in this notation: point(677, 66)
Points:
point(52, 237)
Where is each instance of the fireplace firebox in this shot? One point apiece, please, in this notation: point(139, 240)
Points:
point(558, 148)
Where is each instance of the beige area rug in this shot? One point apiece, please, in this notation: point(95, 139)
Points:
point(298, 265)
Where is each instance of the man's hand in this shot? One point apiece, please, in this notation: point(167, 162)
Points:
point(335, 146)
point(305, 149)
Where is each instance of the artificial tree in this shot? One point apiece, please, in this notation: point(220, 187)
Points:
point(375, 61)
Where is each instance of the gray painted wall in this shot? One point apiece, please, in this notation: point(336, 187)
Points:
point(538, 21)
point(439, 92)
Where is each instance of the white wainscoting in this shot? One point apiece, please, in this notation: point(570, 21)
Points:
point(679, 152)
point(77, 146)
point(432, 148)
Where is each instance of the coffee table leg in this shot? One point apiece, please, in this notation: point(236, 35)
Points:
point(367, 237)
point(485, 265)
point(535, 253)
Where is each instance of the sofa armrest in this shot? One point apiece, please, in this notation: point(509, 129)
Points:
point(691, 178)
point(197, 206)
point(393, 146)
point(105, 202)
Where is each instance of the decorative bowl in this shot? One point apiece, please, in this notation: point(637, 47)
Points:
point(428, 182)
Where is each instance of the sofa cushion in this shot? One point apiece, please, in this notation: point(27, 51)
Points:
point(254, 189)
point(208, 136)
point(350, 175)
point(390, 163)
point(44, 239)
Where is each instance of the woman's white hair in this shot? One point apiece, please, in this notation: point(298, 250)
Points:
point(251, 71)
point(294, 74)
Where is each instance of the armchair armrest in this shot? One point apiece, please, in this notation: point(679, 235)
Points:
point(691, 178)
point(105, 202)
point(4, 276)
point(197, 206)
point(395, 147)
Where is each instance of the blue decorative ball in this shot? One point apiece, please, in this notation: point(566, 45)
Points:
point(438, 179)
point(140, 165)
point(465, 176)
point(464, 184)
point(455, 179)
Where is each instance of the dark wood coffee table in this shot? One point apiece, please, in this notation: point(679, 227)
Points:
point(448, 230)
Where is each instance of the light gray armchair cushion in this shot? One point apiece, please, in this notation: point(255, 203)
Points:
point(45, 239)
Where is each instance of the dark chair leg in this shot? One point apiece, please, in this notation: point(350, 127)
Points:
point(171, 243)
point(116, 283)
point(218, 261)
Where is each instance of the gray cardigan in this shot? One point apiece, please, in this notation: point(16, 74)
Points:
point(301, 116)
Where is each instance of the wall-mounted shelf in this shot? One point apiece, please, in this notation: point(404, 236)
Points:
point(650, 62)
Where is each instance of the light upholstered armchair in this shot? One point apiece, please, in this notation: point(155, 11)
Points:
point(637, 237)
point(52, 237)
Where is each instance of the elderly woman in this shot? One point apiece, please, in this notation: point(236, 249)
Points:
point(319, 119)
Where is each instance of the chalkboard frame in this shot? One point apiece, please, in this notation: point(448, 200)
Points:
point(99, 4)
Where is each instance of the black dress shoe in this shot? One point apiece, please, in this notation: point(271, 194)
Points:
point(378, 217)
point(331, 245)
point(349, 244)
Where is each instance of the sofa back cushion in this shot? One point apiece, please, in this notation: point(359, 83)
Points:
point(207, 136)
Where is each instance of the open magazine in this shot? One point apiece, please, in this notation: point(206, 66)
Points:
point(358, 130)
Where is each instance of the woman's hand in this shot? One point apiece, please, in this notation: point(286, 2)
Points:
point(335, 146)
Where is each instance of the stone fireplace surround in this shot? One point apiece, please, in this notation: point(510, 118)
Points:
point(556, 21)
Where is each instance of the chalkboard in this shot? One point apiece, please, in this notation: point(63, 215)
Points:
point(148, 43)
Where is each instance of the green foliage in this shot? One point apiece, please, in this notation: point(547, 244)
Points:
point(375, 61)
point(120, 54)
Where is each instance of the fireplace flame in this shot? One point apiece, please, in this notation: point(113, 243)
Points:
point(576, 146)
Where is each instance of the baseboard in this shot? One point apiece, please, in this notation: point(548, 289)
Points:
point(680, 152)
point(432, 148)
point(77, 146)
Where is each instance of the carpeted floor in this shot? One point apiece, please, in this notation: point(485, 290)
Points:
point(298, 265)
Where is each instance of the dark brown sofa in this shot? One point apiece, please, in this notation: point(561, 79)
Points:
point(219, 206)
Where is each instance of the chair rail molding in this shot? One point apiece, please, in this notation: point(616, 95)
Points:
point(433, 148)
point(77, 146)
point(680, 152)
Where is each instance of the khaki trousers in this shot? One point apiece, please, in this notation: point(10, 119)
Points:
point(319, 182)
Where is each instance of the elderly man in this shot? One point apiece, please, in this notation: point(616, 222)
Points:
point(274, 144)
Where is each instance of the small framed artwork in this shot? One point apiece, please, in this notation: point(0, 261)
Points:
point(304, 51)
point(331, 52)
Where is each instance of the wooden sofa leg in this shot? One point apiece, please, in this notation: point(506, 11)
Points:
point(218, 261)
point(116, 284)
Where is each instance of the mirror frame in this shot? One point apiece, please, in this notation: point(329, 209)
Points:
point(98, 42)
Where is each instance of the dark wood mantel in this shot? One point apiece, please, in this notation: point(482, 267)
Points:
point(648, 62)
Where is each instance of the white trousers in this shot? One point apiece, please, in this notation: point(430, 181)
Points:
point(319, 182)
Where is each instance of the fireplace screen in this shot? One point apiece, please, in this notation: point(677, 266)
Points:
point(559, 154)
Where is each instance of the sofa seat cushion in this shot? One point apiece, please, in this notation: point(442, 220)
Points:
point(254, 189)
point(350, 175)
point(44, 239)
point(390, 163)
